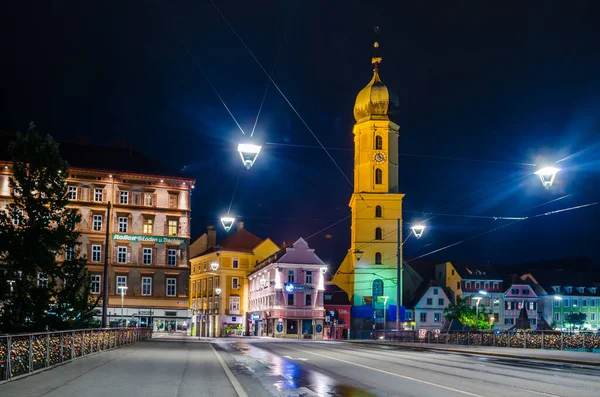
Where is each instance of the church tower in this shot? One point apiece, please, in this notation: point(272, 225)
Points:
point(369, 269)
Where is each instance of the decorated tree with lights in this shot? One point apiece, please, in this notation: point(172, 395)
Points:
point(36, 228)
point(466, 314)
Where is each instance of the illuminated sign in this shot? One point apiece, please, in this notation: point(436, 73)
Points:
point(291, 287)
point(139, 238)
point(255, 316)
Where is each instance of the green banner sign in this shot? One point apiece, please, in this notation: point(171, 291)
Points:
point(140, 238)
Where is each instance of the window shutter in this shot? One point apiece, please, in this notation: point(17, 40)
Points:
point(128, 256)
point(115, 253)
point(90, 221)
point(178, 257)
point(79, 193)
point(166, 228)
point(104, 195)
point(154, 197)
point(141, 256)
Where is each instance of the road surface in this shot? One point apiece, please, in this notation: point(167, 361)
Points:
point(266, 367)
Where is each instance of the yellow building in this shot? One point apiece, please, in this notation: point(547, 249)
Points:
point(369, 269)
point(219, 280)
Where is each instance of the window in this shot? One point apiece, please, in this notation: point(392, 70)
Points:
point(172, 228)
point(378, 176)
point(378, 258)
point(122, 254)
point(148, 226)
point(235, 263)
point(96, 252)
point(123, 220)
point(17, 217)
point(378, 234)
point(234, 305)
point(495, 285)
point(308, 300)
point(378, 142)
point(556, 303)
point(575, 302)
point(97, 222)
point(69, 253)
point(98, 194)
point(423, 317)
point(514, 291)
point(437, 317)
point(509, 305)
point(457, 284)
point(210, 284)
point(235, 283)
point(124, 197)
point(378, 211)
point(584, 303)
point(291, 276)
point(592, 316)
point(569, 289)
point(290, 300)
point(42, 280)
point(477, 285)
point(441, 301)
point(309, 277)
point(172, 257)
point(556, 316)
point(146, 285)
point(429, 301)
point(171, 287)
point(531, 306)
point(453, 272)
point(525, 292)
point(148, 199)
point(377, 289)
point(593, 302)
point(486, 285)
point(172, 201)
point(408, 315)
point(567, 302)
point(121, 282)
point(147, 256)
point(95, 284)
point(72, 195)
point(436, 291)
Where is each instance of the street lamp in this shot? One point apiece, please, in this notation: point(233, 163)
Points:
point(547, 175)
point(477, 299)
point(417, 230)
point(214, 266)
point(227, 222)
point(248, 153)
point(122, 290)
point(385, 299)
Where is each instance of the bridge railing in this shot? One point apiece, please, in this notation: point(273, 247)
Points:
point(22, 354)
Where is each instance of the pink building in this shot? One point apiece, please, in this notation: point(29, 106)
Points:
point(286, 294)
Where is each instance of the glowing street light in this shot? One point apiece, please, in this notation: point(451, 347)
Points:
point(248, 153)
point(218, 291)
point(227, 222)
point(418, 230)
point(214, 266)
point(547, 175)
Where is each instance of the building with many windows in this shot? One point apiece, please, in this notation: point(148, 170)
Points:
point(286, 294)
point(219, 280)
point(147, 227)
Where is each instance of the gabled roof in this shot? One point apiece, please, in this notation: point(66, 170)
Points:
point(566, 278)
point(335, 296)
point(241, 241)
point(298, 253)
point(422, 290)
point(483, 271)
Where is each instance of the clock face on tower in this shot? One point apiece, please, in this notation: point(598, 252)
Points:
point(379, 158)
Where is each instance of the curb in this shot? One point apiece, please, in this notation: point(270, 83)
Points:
point(480, 353)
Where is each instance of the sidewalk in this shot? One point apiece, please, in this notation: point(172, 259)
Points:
point(570, 357)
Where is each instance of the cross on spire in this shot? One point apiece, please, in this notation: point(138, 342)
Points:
point(376, 60)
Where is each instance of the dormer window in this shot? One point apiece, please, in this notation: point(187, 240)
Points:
point(569, 289)
point(556, 289)
point(593, 290)
point(581, 290)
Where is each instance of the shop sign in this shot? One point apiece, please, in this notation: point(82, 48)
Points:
point(279, 327)
point(319, 328)
point(139, 238)
point(292, 287)
point(144, 312)
point(255, 316)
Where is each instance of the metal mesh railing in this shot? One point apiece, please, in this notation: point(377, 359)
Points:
point(22, 354)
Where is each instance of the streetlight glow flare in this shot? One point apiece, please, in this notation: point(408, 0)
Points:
point(418, 230)
point(248, 153)
point(547, 175)
point(227, 222)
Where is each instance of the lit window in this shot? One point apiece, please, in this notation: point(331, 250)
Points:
point(122, 254)
point(72, 195)
point(146, 285)
point(149, 199)
point(98, 194)
point(96, 249)
point(123, 221)
point(97, 222)
point(95, 284)
point(124, 197)
point(148, 225)
point(172, 257)
point(42, 280)
point(171, 286)
point(172, 228)
point(147, 256)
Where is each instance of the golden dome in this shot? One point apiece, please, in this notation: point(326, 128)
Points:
point(375, 101)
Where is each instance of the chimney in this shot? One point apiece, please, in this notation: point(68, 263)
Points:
point(240, 225)
point(211, 237)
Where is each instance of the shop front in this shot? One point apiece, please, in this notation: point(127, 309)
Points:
point(160, 320)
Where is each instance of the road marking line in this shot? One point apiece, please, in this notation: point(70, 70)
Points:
point(234, 382)
point(386, 372)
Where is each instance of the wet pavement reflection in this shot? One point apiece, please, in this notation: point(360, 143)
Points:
point(292, 378)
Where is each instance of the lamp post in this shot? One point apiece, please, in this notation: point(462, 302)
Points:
point(218, 306)
point(477, 299)
point(417, 230)
point(122, 290)
point(214, 266)
point(385, 299)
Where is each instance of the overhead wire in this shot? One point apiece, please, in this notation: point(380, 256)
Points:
point(281, 92)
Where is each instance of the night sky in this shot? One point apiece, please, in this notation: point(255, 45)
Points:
point(507, 84)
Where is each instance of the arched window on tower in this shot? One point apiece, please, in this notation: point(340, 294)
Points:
point(377, 289)
point(378, 176)
point(378, 234)
point(378, 142)
point(378, 211)
point(378, 258)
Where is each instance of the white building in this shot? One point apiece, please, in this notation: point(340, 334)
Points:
point(428, 307)
point(286, 294)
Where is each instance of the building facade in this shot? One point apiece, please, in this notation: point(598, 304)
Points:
point(148, 231)
point(219, 281)
point(369, 269)
point(516, 297)
point(337, 313)
point(286, 294)
point(428, 307)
